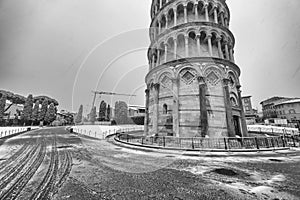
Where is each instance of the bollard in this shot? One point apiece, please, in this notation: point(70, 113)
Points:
point(267, 143)
point(193, 147)
point(164, 141)
point(225, 144)
point(283, 141)
point(256, 141)
point(294, 143)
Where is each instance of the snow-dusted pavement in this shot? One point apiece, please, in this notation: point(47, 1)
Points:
point(59, 165)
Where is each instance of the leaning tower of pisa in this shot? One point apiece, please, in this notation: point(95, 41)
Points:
point(193, 87)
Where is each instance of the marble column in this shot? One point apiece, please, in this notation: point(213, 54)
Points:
point(228, 107)
point(196, 12)
point(175, 113)
point(175, 48)
point(226, 50)
point(155, 92)
point(159, 27)
point(209, 45)
point(146, 127)
point(215, 15)
point(185, 14)
point(158, 57)
point(166, 52)
point(231, 54)
point(153, 62)
point(206, 13)
point(220, 48)
point(243, 117)
point(222, 19)
point(175, 17)
point(203, 107)
point(198, 44)
point(186, 37)
point(166, 21)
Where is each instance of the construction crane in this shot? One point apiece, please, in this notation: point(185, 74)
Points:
point(108, 93)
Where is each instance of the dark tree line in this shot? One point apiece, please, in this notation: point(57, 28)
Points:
point(104, 114)
point(32, 114)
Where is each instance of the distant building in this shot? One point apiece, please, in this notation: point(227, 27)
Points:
point(14, 110)
point(134, 111)
point(250, 113)
point(268, 106)
point(64, 117)
point(289, 110)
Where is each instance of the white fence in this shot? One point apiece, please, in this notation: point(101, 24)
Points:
point(7, 131)
point(272, 129)
point(102, 132)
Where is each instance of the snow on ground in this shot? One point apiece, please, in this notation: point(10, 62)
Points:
point(6, 131)
point(101, 131)
point(272, 129)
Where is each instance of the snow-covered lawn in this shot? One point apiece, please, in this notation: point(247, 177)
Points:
point(272, 129)
point(6, 131)
point(101, 131)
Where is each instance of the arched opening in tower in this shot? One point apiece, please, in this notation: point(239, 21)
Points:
point(214, 45)
point(211, 12)
point(180, 46)
point(180, 14)
point(171, 18)
point(193, 52)
point(190, 12)
point(203, 43)
point(163, 23)
point(161, 53)
point(156, 29)
point(170, 53)
point(201, 11)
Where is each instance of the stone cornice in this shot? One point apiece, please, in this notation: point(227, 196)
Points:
point(191, 61)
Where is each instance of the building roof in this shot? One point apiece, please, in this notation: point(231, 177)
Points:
point(136, 106)
point(289, 102)
point(275, 99)
point(249, 96)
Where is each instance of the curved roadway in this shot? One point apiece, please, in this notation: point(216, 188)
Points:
point(51, 163)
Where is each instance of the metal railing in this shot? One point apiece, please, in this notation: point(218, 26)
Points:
point(212, 143)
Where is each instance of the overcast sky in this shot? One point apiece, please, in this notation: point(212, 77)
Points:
point(66, 48)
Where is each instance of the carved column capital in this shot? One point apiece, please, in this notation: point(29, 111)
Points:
point(201, 80)
point(226, 81)
point(147, 91)
point(175, 80)
point(156, 86)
